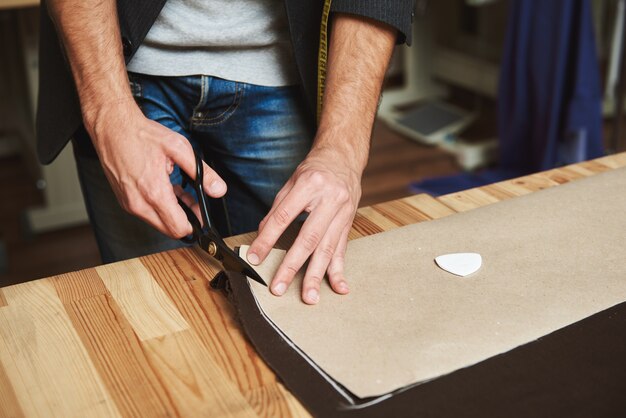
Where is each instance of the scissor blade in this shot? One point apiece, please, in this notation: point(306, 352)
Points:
point(233, 262)
point(251, 273)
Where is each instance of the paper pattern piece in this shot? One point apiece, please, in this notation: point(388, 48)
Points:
point(555, 257)
point(460, 264)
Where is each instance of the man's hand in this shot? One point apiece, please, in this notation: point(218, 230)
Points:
point(138, 155)
point(327, 184)
point(328, 187)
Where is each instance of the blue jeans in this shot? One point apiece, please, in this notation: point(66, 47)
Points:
point(253, 136)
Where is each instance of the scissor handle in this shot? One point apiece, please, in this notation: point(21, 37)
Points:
point(195, 224)
point(199, 188)
point(202, 203)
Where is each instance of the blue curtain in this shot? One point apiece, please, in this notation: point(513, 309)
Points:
point(549, 98)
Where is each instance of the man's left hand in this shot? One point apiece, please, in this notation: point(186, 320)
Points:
point(327, 185)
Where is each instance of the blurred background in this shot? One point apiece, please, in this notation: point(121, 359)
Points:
point(489, 90)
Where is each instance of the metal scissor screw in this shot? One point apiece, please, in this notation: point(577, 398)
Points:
point(212, 250)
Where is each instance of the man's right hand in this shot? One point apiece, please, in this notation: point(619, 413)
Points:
point(138, 155)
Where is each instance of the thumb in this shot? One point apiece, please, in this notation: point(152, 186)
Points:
point(214, 185)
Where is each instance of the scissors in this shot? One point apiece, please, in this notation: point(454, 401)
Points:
point(207, 237)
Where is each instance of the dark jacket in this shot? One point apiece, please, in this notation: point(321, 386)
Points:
point(58, 111)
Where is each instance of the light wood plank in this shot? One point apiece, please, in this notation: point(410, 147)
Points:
point(400, 212)
point(219, 332)
point(245, 368)
point(78, 285)
point(9, 404)
point(118, 357)
point(582, 170)
point(593, 166)
point(151, 313)
point(112, 345)
point(274, 400)
point(195, 384)
point(44, 359)
point(17, 4)
point(561, 175)
point(518, 187)
point(429, 206)
point(194, 263)
point(526, 184)
point(614, 161)
point(499, 193)
point(534, 182)
point(368, 221)
point(467, 200)
point(3, 301)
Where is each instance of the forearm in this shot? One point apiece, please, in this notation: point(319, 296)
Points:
point(358, 56)
point(89, 31)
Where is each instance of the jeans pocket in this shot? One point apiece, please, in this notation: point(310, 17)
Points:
point(135, 85)
point(134, 82)
point(224, 99)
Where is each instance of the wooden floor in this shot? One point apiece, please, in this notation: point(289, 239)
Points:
point(395, 162)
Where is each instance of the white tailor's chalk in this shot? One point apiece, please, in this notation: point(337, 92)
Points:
point(461, 264)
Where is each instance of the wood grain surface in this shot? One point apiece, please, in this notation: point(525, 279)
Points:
point(146, 337)
point(17, 4)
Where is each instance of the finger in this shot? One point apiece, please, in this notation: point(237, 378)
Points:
point(280, 196)
point(156, 204)
point(180, 151)
point(188, 200)
point(335, 270)
point(277, 221)
point(163, 201)
point(180, 193)
point(306, 242)
point(146, 213)
point(320, 260)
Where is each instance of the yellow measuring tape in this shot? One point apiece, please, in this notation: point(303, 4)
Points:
point(322, 58)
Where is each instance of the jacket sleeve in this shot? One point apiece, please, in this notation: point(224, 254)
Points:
point(397, 13)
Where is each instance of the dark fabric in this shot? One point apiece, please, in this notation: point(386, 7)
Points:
point(397, 13)
point(549, 99)
point(58, 109)
point(58, 112)
point(578, 371)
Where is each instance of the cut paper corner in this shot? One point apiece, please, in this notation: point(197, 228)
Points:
point(268, 268)
point(460, 264)
point(242, 251)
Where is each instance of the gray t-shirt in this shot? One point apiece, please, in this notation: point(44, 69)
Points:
point(238, 40)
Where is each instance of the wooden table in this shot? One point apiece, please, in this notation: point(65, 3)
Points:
point(145, 337)
point(17, 4)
